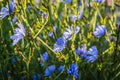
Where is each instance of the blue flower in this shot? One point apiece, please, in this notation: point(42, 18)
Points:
point(76, 30)
point(45, 57)
point(34, 77)
point(14, 20)
point(80, 15)
point(54, 28)
point(29, 7)
point(60, 44)
point(74, 17)
point(100, 1)
point(60, 69)
point(99, 31)
point(20, 33)
point(73, 70)
point(82, 52)
point(38, 1)
point(69, 32)
point(68, 1)
point(4, 12)
point(11, 7)
point(92, 54)
point(49, 70)
point(82, 3)
point(112, 38)
point(51, 34)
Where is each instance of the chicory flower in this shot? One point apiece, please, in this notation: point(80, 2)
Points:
point(49, 70)
point(60, 69)
point(20, 33)
point(73, 70)
point(92, 54)
point(60, 44)
point(82, 52)
point(99, 31)
point(69, 32)
point(45, 57)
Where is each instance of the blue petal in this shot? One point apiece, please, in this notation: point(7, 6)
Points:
point(4, 12)
point(34, 77)
point(68, 1)
point(11, 7)
point(49, 70)
point(45, 57)
point(20, 33)
point(60, 69)
point(92, 54)
point(60, 44)
point(99, 31)
point(73, 70)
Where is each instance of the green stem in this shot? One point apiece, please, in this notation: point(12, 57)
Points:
point(45, 44)
point(40, 29)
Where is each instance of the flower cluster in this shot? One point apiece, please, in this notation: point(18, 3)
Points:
point(5, 11)
point(90, 55)
point(62, 41)
point(73, 70)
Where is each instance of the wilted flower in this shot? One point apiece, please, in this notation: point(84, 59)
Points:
point(99, 31)
point(60, 44)
point(68, 1)
point(69, 32)
point(60, 69)
point(20, 33)
point(49, 70)
point(45, 57)
point(73, 70)
point(82, 52)
point(92, 54)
